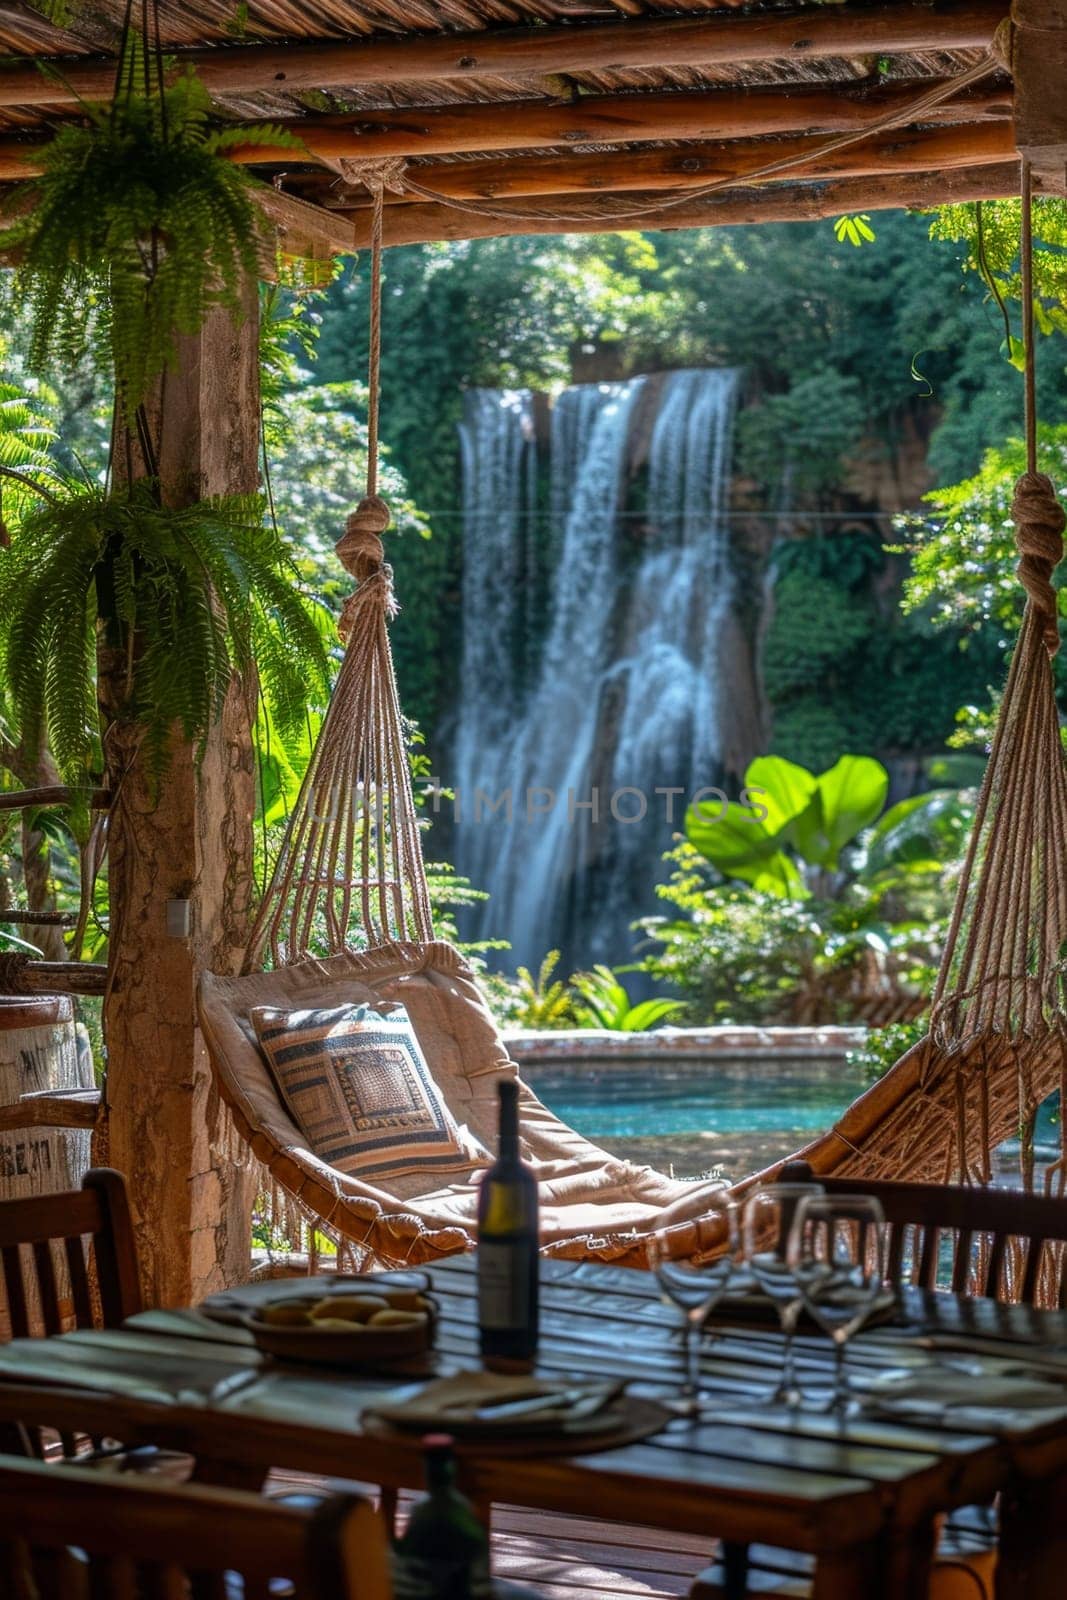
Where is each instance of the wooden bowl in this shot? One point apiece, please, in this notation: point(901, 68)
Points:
point(356, 1346)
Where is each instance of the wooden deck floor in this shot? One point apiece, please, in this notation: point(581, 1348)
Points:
point(573, 1558)
point(570, 1558)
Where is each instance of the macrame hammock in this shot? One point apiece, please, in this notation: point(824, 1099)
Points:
point(351, 858)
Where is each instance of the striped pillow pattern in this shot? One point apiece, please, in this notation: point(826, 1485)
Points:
point(357, 1083)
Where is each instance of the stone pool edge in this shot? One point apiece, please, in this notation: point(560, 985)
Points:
point(580, 1046)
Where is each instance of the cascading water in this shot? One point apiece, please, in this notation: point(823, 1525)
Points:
point(499, 484)
point(626, 697)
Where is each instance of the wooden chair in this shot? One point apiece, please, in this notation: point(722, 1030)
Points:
point(66, 1260)
point(66, 1533)
point(999, 1243)
point(69, 1260)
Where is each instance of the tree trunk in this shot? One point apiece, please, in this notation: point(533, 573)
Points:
point(180, 882)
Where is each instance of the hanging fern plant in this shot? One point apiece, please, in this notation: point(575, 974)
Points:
point(187, 596)
point(137, 227)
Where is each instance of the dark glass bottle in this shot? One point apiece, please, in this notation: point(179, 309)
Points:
point(507, 1249)
point(443, 1553)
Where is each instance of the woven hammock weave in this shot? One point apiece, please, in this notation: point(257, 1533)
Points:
point(997, 1041)
point(350, 869)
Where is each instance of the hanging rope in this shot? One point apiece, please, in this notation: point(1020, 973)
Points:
point(353, 840)
point(997, 1040)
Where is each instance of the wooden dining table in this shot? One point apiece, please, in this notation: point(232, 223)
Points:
point(860, 1493)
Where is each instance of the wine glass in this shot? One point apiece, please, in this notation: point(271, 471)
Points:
point(836, 1249)
point(768, 1219)
point(694, 1289)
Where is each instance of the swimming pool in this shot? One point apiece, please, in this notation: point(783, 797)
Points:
point(695, 1116)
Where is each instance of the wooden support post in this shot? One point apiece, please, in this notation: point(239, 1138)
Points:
point(185, 852)
point(1039, 67)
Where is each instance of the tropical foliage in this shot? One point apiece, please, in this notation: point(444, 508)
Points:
point(823, 909)
point(137, 228)
point(186, 597)
point(603, 1002)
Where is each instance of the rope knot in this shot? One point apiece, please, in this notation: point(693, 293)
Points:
point(360, 549)
point(1039, 524)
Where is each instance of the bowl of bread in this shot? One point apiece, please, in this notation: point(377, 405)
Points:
point(357, 1327)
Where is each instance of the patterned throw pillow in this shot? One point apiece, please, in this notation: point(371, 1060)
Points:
point(357, 1083)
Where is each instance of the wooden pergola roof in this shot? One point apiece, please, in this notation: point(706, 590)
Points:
point(533, 116)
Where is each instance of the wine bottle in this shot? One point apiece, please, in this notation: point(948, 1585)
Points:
point(443, 1553)
point(507, 1249)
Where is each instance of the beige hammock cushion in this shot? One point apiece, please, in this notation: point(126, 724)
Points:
point(357, 1084)
point(592, 1204)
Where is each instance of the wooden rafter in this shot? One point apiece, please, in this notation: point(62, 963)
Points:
point(692, 166)
point(425, 223)
point(643, 42)
point(309, 231)
point(621, 119)
point(482, 127)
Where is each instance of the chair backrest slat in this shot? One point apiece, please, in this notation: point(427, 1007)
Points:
point(961, 1261)
point(81, 1297)
point(994, 1272)
point(1003, 1243)
point(47, 1287)
point(139, 1539)
point(56, 1248)
point(15, 1292)
point(928, 1256)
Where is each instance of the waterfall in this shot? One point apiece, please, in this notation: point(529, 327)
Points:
point(499, 480)
point(628, 688)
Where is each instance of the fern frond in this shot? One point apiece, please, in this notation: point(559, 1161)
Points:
point(191, 594)
point(138, 227)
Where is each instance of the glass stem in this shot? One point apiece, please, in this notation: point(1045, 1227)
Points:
point(840, 1381)
point(789, 1365)
point(693, 1330)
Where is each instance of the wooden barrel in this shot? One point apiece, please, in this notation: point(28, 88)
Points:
point(39, 1051)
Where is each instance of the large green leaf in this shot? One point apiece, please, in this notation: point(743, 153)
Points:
point(780, 875)
point(850, 796)
point(788, 789)
point(647, 1013)
point(923, 827)
point(731, 839)
point(745, 846)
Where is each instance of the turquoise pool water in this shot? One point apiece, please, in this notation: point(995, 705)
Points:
point(733, 1116)
point(697, 1116)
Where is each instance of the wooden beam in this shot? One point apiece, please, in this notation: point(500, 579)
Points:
point(618, 119)
point(597, 119)
point(51, 1108)
point(54, 794)
point(720, 39)
point(425, 223)
point(38, 919)
point(61, 977)
point(303, 229)
point(1039, 62)
point(693, 165)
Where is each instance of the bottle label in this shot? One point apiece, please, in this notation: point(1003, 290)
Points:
point(503, 1285)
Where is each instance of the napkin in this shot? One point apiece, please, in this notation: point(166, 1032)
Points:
point(491, 1401)
point(964, 1398)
